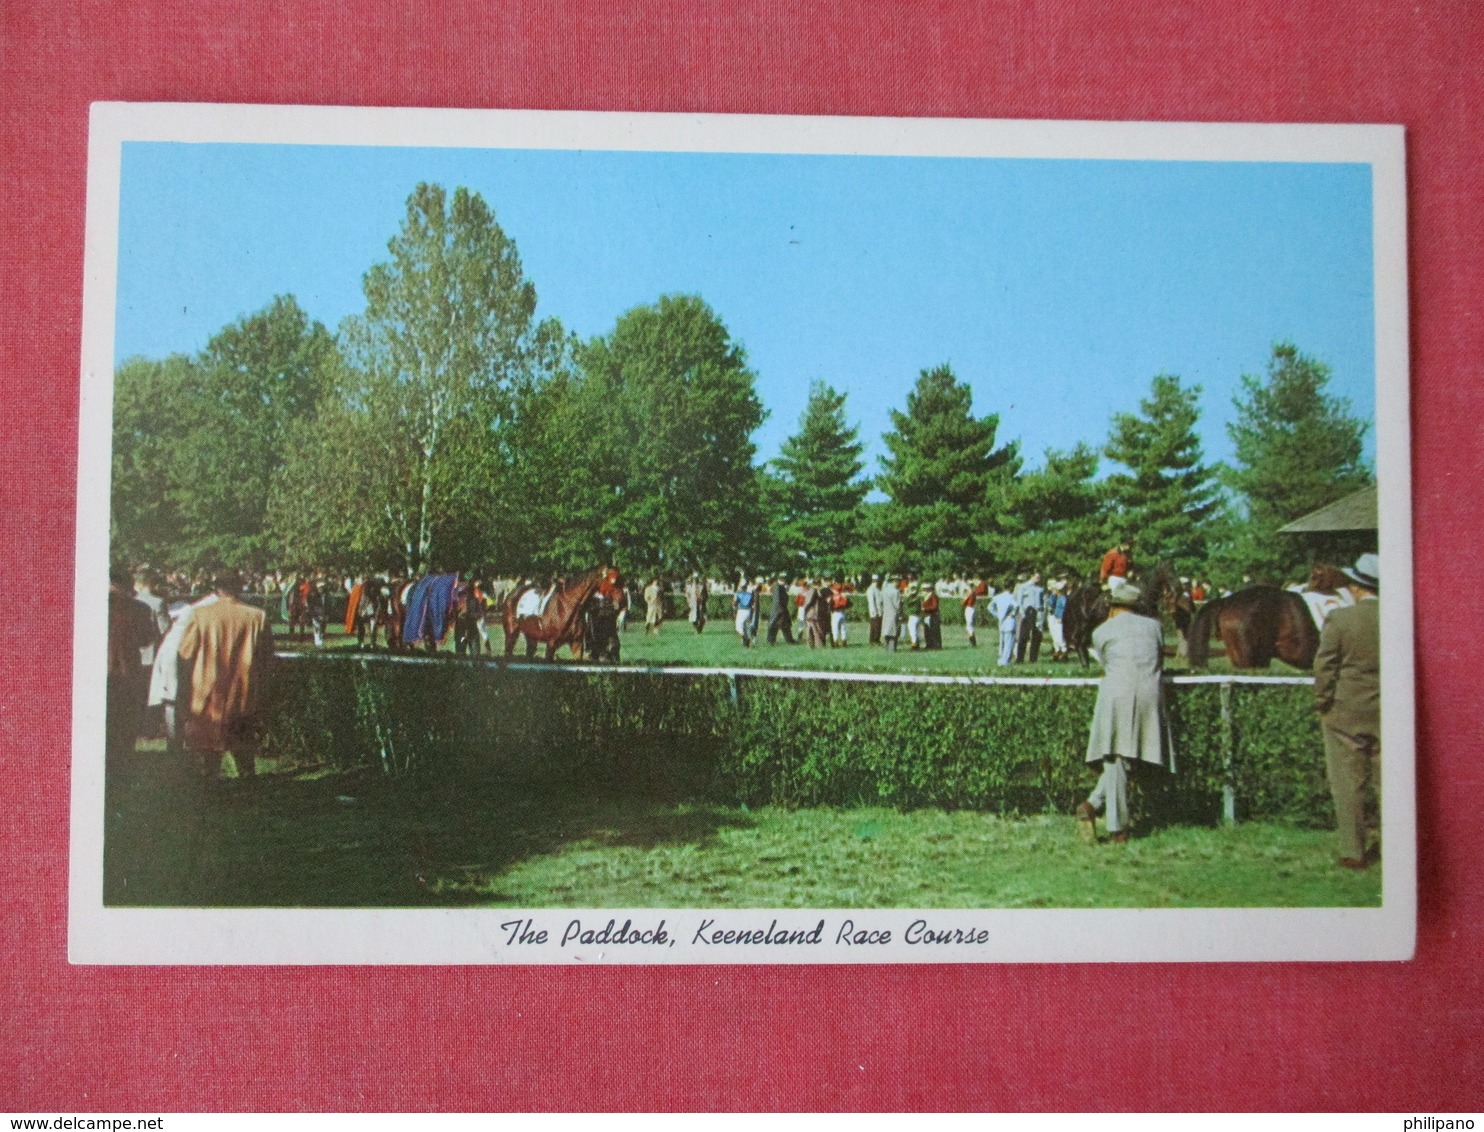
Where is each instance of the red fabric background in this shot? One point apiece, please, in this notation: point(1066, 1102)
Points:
point(1398, 1036)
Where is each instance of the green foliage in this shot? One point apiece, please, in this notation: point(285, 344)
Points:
point(947, 484)
point(1297, 449)
point(1281, 768)
point(818, 490)
point(418, 422)
point(762, 740)
point(658, 426)
point(149, 400)
point(198, 442)
point(1058, 516)
point(1168, 495)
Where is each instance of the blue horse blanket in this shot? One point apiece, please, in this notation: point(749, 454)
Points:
point(426, 617)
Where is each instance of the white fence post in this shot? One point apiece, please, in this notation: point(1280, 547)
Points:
point(1228, 757)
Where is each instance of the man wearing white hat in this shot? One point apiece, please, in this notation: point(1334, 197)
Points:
point(1128, 724)
point(1347, 692)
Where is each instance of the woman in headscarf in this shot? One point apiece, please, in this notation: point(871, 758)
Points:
point(1128, 722)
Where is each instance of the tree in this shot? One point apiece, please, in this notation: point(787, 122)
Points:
point(1058, 513)
point(199, 442)
point(150, 401)
point(1166, 498)
point(435, 363)
point(257, 378)
point(665, 408)
point(817, 491)
point(1297, 449)
point(947, 485)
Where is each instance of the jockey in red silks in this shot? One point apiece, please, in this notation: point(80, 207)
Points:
point(611, 587)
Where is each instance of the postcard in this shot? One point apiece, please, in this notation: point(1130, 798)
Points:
point(537, 537)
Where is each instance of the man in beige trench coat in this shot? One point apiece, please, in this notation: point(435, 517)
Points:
point(1347, 692)
point(1128, 724)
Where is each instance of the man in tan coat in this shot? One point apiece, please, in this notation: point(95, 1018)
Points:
point(1347, 692)
point(225, 651)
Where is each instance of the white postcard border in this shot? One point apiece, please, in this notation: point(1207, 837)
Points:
point(103, 935)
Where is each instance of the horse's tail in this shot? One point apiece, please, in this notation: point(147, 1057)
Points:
point(1305, 633)
point(1199, 636)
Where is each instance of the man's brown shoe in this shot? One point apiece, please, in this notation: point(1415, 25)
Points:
point(1087, 818)
point(1353, 863)
point(1119, 838)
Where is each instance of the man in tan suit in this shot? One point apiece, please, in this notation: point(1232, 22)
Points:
point(225, 651)
point(1347, 692)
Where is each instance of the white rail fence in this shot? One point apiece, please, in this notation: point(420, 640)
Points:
point(1226, 682)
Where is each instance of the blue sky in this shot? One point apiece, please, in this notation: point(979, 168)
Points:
point(1056, 288)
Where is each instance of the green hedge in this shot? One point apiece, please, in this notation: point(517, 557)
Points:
point(774, 740)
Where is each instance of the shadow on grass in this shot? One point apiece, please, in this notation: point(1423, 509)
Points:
point(356, 839)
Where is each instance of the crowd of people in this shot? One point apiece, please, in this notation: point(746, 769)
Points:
point(189, 666)
point(189, 671)
point(902, 611)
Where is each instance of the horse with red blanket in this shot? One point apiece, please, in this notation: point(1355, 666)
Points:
point(363, 610)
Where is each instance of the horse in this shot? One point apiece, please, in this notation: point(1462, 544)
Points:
point(430, 610)
point(467, 611)
point(1256, 625)
point(561, 621)
point(304, 609)
point(600, 616)
point(391, 608)
point(363, 610)
point(1087, 608)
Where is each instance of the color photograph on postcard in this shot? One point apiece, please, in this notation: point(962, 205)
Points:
point(641, 538)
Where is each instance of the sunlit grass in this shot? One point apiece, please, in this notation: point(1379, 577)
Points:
point(677, 643)
point(356, 840)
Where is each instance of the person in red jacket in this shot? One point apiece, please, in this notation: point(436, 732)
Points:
point(839, 606)
point(976, 590)
point(1116, 566)
point(932, 624)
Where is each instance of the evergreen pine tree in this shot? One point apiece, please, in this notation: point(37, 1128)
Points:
point(946, 483)
point(1297, 449)
point(1165, 500)
point(1059, 514)
point(818, 489)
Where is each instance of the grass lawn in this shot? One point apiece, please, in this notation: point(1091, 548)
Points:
point(357, 840)
point(719, 647)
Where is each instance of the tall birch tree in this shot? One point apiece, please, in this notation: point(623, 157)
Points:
point(436, 360)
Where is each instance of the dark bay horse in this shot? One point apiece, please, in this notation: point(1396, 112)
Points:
point(1087, 608)
point(1256, 625)
point(467, 611)
point(304, 608)
point(560, 623)
point(389, 613)
point(601, 617)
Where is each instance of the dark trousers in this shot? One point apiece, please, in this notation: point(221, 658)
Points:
point(780, 624)
point(1028, 639)
point(875, 637)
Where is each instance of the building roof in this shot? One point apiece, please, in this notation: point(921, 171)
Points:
point(1355, 512)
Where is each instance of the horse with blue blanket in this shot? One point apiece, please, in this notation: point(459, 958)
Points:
point(430, 611)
